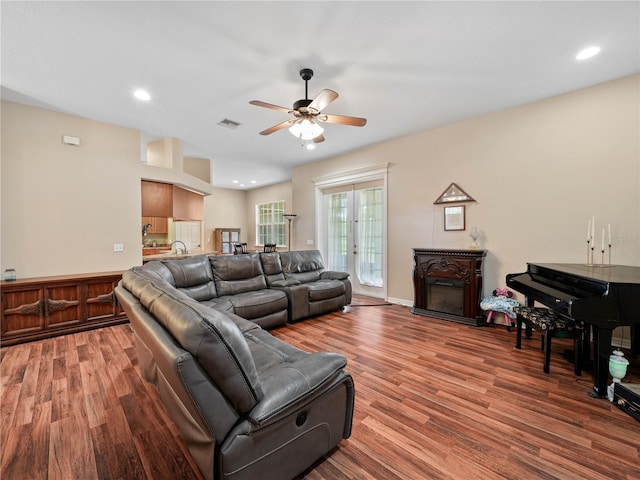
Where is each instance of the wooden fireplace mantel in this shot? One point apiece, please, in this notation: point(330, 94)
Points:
point(448, 284)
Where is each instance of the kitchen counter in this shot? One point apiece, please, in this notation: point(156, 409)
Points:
point(176, 256)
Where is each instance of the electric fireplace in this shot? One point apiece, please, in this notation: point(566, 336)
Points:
point(448, 284)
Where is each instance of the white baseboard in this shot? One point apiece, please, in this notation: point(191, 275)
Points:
point(400, 301)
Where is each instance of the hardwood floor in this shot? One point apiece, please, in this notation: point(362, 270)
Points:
point(434, 400)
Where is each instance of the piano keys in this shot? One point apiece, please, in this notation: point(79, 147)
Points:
point(604, 297)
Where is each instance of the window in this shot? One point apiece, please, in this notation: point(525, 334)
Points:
point(338, 231)
point(270, 224)
point(369, 266)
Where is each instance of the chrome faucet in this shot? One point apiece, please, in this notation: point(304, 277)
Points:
point(183, 245)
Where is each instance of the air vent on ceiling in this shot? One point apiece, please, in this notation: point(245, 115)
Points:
point(229, 124)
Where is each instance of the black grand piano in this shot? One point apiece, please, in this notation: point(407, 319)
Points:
point(604, 297)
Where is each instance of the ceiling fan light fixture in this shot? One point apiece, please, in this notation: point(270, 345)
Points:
point(306, 130)
point(588, 53)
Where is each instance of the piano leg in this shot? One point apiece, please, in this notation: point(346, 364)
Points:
point(602, 344)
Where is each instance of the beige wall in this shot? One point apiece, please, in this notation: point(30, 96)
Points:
point(272, 193)
point(64, 207)
point(538, 173)
point(225, 208)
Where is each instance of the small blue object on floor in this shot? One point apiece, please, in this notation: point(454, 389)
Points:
point(501, 302)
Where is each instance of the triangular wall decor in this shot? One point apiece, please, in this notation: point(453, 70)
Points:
point(452, 194)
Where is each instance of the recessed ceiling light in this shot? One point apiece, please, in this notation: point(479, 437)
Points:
point(242, 184)
point(588, 53)
point(253, 181)
point(142, 95)
point(235, 181)
point(310, 146)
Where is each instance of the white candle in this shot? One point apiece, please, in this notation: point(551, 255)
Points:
point(593, 230)
point(588, 230)
point(603, 239)
point(609, 227)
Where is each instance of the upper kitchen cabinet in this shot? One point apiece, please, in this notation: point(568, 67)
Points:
point(157, 199)
point(166, 200)
point(187, 205)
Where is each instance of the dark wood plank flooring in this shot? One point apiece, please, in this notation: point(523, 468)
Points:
point(434, 400)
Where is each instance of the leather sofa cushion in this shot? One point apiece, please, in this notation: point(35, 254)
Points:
point(304, 277)
point(272, 267)
point(287, 282)
point(259, 303)
point(325, 289)
point(301, 261)
point(193, 275)
point(304, 265)
point(286, 373)
point(222, 304)
point(213, 338)
point(137, 278)
point(160, 270)
point(330, 275)
point(234, 274)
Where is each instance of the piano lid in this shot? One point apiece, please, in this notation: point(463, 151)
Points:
point(611, 274)
point(604, 296)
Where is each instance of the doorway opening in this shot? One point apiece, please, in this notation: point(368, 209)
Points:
point(351, 213)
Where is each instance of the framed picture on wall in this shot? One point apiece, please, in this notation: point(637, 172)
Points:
point(454, 218)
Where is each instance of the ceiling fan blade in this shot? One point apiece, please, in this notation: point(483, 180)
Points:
point(343, 120)
point(258, 103)
point(324, 98)
point(318, 139)
point(279, 126)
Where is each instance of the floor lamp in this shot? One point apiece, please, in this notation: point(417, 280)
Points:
point(289, 217)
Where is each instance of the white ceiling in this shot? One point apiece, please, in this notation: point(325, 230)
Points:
point(405, 66)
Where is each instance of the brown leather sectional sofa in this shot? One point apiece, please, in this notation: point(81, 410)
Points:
point(248, 405)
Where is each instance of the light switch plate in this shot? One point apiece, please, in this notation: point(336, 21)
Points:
point(118, 247)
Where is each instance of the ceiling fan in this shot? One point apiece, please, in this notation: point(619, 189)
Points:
point(307, 113)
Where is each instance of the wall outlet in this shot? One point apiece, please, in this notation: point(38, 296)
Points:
point(118, 247)
point(309, 242)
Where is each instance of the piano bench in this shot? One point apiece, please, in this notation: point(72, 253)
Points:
point(550, 324)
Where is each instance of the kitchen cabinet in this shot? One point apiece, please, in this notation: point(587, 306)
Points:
point(187, 205)
point(158, 224)
point(157, 199)
point(37, 308)
point(146, 251)
point(166, 200)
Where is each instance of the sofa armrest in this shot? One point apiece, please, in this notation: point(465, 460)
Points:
point(288, 282)
point(331, 275)
point(291, 383)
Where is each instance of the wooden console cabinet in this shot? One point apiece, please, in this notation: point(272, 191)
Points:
point(37, 308)
point(448, 284)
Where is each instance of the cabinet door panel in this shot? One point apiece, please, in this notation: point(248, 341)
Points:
point(101, 301)
point(21, 312)
point(157, 199)
point(187, 205)
point(63, 305)
point(158, 224)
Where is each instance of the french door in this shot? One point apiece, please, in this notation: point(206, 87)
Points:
point(355, 237)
